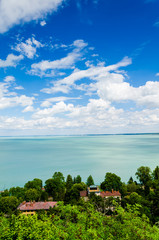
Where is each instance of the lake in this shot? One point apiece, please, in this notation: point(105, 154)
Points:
point(25, 158)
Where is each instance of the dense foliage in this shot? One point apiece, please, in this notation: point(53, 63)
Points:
point(135, 216)
point(79, 222)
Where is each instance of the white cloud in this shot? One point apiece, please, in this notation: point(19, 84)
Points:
point(95, 73)
point(43, 23)
point(48, 102)
point(9, 98)
point(95, 55)
point(28, 109)
point(19, 88)
point(79, 44)
point(13, 12)
point(11, 61)
point(7, 102)
point(42, 68)
point(9, 79)
point(98, 116)
point(29, 47)
point(146, 95)
point(59, 107)
point(109, 84)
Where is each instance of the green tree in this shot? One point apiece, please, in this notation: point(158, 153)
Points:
point(135, 198)
point(73, 195)
point(132, 187)
point(78, 179)
point(90, 181)
point(44, 196)
point(155, 177)
point(80, 222)
point(123, 189)
point(144, 176)
point(32, 194)
point(58, 176)
point(49, 186)
point(112, 181)
point(155, 195)
point(35, 183)
point(55, 186)
point(130, 180)
point(69, 182)
point(8, 204)
point(155, 173)
point(17, 192)
point(5, 193)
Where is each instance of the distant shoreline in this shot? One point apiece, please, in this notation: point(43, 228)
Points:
point(81, 135)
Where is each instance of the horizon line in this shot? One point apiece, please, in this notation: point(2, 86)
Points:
point(73, 135)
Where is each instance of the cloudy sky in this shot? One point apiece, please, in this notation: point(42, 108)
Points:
point(79, 67)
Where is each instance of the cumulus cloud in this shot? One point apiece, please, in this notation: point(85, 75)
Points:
point(48, 102)
point(97, 113)
point(59, 107)
point(95, 73)
point(98, 116)
point(29, 47)
point(13, 12)
point(11, 61)
point(109, 84)
point(8, 98)
point(105, 86)
point(146, 95)
point(47, 67)
point(28, 109)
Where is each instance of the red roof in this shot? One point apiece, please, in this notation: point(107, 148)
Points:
point(31, 206)
point(110, 194)
point(83, 193)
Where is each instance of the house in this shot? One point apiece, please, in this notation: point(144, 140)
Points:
point(31, 207)
point(84, 195)
point(107, 194)
point(93, 189)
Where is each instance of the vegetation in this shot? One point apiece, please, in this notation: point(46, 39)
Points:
point(135, 216)
point(90, 181)
point(111, 181)
point(79, 222)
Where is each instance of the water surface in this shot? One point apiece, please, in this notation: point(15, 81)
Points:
point(25, 158)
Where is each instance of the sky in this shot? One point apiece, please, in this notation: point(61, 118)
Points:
point(79, 67)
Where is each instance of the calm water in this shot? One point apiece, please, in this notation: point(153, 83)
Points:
point(22, 159)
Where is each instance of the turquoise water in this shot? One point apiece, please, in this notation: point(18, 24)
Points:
point(25, 158)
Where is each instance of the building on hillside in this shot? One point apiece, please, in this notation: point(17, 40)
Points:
point(93, 189)
point(107, 194)
point(84, 195)
point(31, 207)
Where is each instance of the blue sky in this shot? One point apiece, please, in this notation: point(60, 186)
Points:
point(79, 67)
